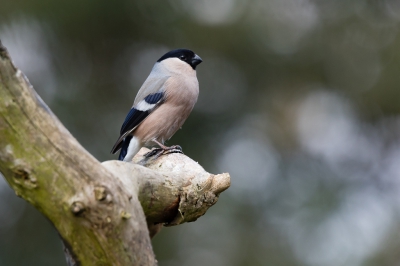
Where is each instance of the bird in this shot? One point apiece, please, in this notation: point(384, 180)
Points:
point(161, 106)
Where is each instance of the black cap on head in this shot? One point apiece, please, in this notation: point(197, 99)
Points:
point(185, 55)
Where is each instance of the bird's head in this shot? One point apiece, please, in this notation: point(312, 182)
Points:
point(184, 55)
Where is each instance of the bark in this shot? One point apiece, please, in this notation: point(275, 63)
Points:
point(101, 210)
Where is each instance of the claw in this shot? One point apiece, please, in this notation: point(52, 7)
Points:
point(157, 152)
point(174, 149)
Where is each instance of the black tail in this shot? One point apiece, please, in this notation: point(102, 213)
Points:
point(124, 148)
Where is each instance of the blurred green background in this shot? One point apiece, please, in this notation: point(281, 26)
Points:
point(299, 102)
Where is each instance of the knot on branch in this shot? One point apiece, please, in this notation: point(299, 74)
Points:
point(196, 199)
point(102, 193)
point(77, 208)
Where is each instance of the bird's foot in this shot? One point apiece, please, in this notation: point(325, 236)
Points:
point(154, 152)
point(174, 149)
point(157, 152)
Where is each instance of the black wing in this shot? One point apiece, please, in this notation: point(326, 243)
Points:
point(133, 119)
point(136, 115)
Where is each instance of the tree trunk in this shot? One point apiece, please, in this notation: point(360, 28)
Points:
point(102, 211)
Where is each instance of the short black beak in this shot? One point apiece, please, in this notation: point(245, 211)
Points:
point(196, 60)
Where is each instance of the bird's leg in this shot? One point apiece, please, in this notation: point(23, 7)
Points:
point(157, 152)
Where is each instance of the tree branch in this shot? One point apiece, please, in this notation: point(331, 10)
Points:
point(95, 207)
point(176, 188)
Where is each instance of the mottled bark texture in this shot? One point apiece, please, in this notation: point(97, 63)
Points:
point(101, 211)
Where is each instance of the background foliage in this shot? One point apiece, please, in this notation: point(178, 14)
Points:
point(299, 101)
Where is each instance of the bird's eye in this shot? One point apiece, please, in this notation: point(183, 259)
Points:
point(182, 57)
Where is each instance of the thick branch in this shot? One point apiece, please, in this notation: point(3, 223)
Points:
point(46, 166)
